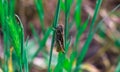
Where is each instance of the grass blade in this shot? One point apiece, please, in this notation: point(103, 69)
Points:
point(12, 7)
point(76, 43)
point(23, 50)
point(61, 56)
point(54, 26)
point(90, 36)
point(39, 6)
point(118, 67)
point(80, 32)
point(40, 42)
point(77, 14)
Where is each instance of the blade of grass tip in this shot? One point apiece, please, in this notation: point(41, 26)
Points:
point(77, 13)
point(14, 33)
point(22, 36)
point(39, 7)
point(54, 26)
point(21, 42)
point(89, 39)
point(23, 50)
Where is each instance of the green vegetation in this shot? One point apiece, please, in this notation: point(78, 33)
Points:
point(13, 37)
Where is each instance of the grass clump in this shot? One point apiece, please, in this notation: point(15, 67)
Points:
point(13, 34)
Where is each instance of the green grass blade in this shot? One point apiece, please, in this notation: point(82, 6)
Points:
point(68, 4)
point(6, 47)
point(10, 31)
point(118, 66)
point(14, 34)
point(59, 66)
point(40, 42)
point(6, 50)
point(15, 37)
point(90, 36)
point(23, 50)
point(80, 32)
point(35, 34)
point(95, 14)
point(64, 4)
point(78, 35)
point(66, 24)
point(47, 34)
point(21, 36)
point(62, 60)
point(5, 35)
point(55, 22)
point(39, 7)
point(12, 7)
point(77, 13)
point(61, 56)
point(1, 12)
